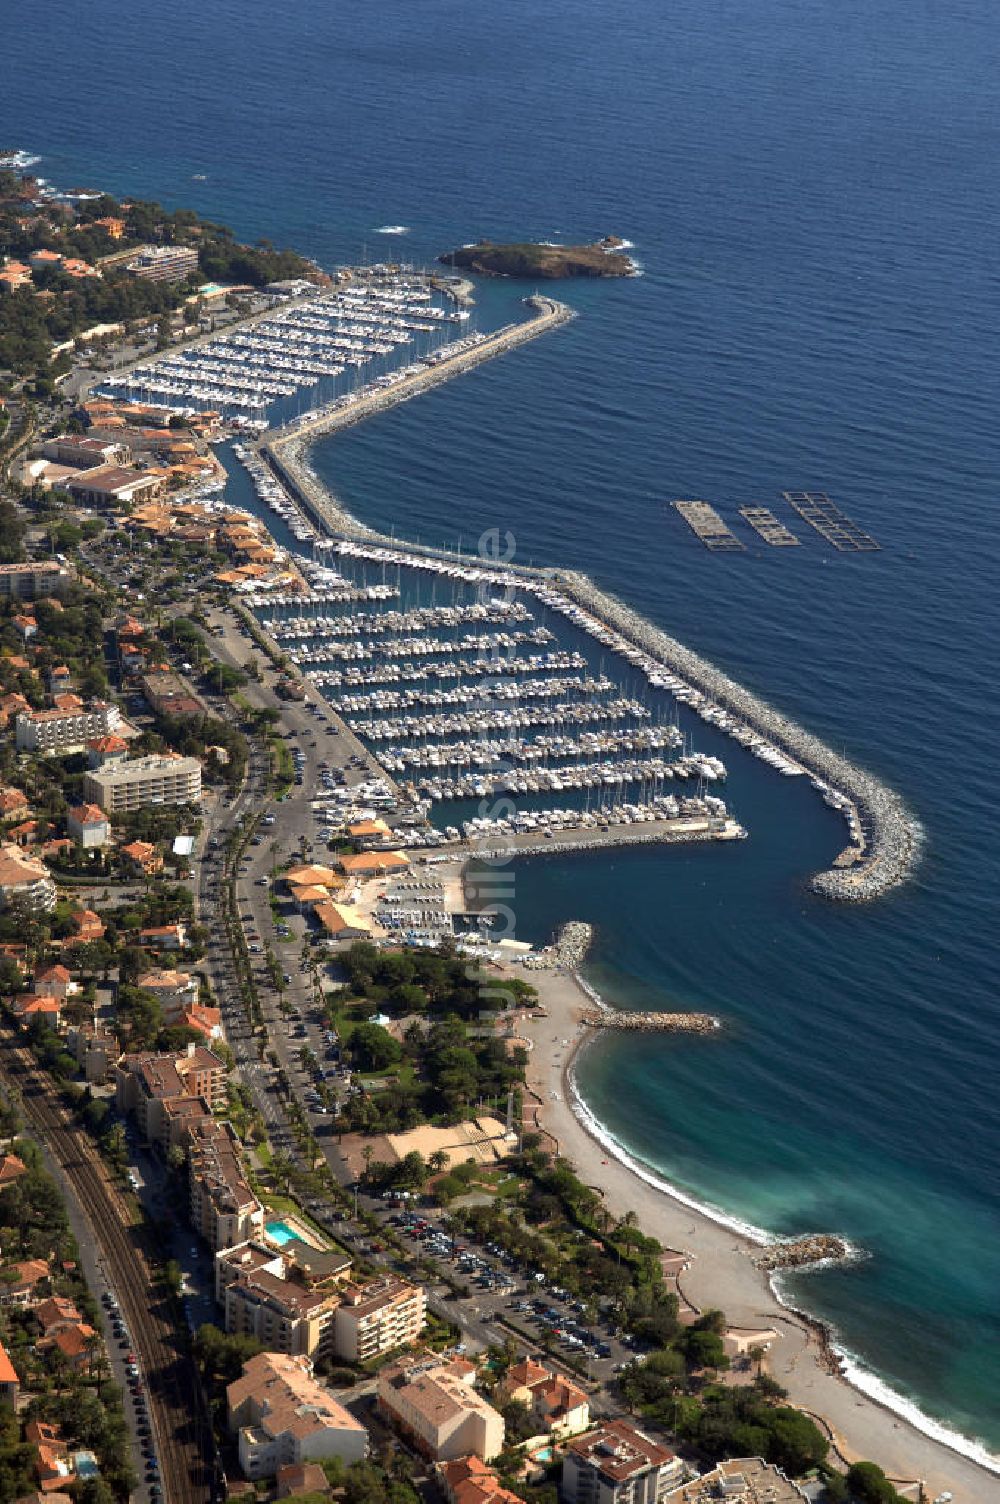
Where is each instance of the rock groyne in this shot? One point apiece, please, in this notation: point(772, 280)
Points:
point(799, 1253)
point(653, 1022)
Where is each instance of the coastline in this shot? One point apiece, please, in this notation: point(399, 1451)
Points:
point(862, 1415)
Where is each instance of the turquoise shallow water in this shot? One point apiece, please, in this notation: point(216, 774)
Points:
point(812, 192)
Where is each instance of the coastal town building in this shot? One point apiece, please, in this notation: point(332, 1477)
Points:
point(60, 732)
point(432, 1401)
point(158, 779)
point(164, 263)
point(27, 582)
point(25, 882)
point(175, 991)
point(617, 1464)
point(283, 1416)
point(555, 1403)
point(224, 1208)
point(88, 825)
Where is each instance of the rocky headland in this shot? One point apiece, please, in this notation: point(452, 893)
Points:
point(536, 260)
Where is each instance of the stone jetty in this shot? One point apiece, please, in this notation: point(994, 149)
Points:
point(568, 950)
point(654, 1022)
point(798, 1253)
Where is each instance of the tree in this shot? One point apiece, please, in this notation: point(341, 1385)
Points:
point(869, 1485)
point(797, 1444)
point(438, 1161)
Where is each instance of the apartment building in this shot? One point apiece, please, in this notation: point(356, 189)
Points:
point(165, 263)
point(378, 1316)
point(25, 883)
point(166, 1092)
point(283, 1416)
point(283, 1316)
point(121, 787)
point(64, 730)
point(26, 582)
point(224, 1209)
point(432, 1401)
point(618, 1464)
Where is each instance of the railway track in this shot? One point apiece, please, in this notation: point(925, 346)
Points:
point(183, 1442)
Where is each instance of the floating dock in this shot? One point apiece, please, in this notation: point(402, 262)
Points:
point(816, 508)
point(705, 522)
point(769, 527)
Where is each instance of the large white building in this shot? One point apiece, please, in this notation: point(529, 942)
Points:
point(141, 781)
point(283, 1415)
point(61, 732)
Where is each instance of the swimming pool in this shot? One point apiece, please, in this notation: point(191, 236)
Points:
point(280, 1233)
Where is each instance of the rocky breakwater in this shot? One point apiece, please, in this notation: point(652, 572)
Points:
point(799, 1253)
point(653, 1023)
point(888, 835)
point(568, 950)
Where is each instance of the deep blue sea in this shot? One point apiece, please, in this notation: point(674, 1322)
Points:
point(812, 191)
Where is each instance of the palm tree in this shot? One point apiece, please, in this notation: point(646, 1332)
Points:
point(438, 1161)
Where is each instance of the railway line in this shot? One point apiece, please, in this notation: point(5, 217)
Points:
point(183, 1441)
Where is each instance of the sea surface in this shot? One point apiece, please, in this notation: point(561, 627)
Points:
point(812, 192)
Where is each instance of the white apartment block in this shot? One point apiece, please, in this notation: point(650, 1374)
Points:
point(375, 1318)
point(142, 781)
point(62, 732)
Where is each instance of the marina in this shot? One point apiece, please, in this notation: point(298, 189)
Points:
point(816, 508)
point(769, 527)
point(380, 331)
point(706, 524)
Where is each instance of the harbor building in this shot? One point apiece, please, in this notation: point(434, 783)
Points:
point(158, 779)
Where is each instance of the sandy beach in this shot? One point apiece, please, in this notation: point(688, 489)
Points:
point(722, 1274)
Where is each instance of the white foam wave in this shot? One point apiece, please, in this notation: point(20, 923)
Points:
point(854, 1371)
point(876, 1389)
point(392, 230)
point(597, 1130)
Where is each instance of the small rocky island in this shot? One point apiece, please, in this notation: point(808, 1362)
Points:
point(604, 258)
